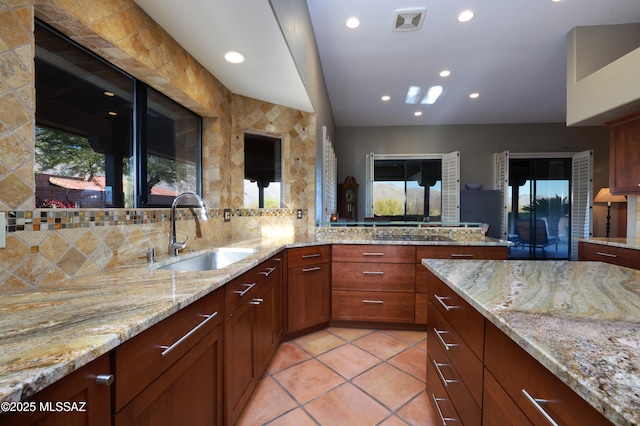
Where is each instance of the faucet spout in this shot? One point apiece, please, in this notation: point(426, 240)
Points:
point(174, 245)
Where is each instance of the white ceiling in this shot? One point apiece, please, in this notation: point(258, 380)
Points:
point(513, 53)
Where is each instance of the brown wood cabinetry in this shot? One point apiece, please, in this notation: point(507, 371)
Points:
point(538, 394)
point(624, 155)
point(373, 283)
point(603, 253)
point(172, 372)
point(308, 289)
point(251, 332)
point(456, 351)
point(81, 398)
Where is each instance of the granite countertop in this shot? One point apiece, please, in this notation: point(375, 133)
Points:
point(630, 243)
point(581, 320)
point(48, 332)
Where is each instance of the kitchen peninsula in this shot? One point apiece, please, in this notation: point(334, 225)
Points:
point(580, 320)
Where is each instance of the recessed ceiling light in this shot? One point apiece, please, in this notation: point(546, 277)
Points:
point(234, 57)
point(385, 98)
point(353, 22)
point(474, 95)
point(112, 113)
point(445, 73)
point(466, 15)
point(417, 113)
point(110, 94)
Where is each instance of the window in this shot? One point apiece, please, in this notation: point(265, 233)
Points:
point(262, 171)
point(105, 139)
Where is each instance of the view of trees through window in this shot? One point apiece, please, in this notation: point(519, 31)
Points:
point(408, 189)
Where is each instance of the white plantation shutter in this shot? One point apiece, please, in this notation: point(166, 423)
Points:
point(501, 183)
point(369, 188)
point(581, 199)
point(451, 187)
point(330, 178)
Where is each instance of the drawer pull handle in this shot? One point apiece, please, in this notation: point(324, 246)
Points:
point(268, 271)
point(373, 302)
point(461, 255)
point(445, 382)
point(373, 272)
point(315, 268)
point(256, 302)
point(445, 344)
point(372, 254)
point(208, 318)
point(441, 299)
point(536, 403)
point(104, 379)
point(601, 253)
point(243, 292)
point(442, 417)
point(310, 256)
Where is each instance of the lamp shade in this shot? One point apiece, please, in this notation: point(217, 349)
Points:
point(605, 196)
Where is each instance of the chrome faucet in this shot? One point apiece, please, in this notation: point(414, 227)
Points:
point(174, 245)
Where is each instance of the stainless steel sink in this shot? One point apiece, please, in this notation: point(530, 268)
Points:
point(208, 261)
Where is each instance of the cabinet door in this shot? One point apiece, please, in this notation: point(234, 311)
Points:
point(308, 296)
point(240, 376)
point(264, 332)
point(92, 400)
point(189, 392)
point(624, 155)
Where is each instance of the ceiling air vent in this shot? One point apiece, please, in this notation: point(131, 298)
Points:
point(408, 19)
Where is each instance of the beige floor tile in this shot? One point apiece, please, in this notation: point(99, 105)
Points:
point(422, 345)
point(349, 360)
point(346, 405)
point(408, 336)
point(380, 344)
point(297, 417)
point(418, 412)
point(390, 386)
point(412, 361)
point(319, 342)
point(394, 421)
point(268, 401)
point(308, 380)
point(287, 354)
point(350, 334)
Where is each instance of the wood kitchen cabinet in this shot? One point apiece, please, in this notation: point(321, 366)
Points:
point(624, 155)
point(87, 391)
point(251, 332)
point(308, 289)
point(373, 283)
point(172, 373)
point(603, 253)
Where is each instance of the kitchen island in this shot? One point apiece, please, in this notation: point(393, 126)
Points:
point(580, 320)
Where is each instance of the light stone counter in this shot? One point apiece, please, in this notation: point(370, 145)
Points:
point(581, 320)
point(47, 333)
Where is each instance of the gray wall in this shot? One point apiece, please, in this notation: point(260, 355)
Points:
point(476, 143)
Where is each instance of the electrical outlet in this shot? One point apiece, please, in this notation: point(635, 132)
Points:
point(299, 214)
point(227, 215)
point(3, 230)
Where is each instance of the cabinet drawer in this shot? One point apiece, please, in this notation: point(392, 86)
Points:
point(614, 255)
point(373, 253)
point(525, 379)
point(444, 341)
point(442, 406)
point(139, 361)
point(241, 289)
point(461, 252)
point(465, 320)
point(304, 256)
point(373, 277)
point(373, 306)
point(446, 374)
point(498, 405)
point(421, 308)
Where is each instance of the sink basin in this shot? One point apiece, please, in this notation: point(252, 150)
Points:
point(210, 260)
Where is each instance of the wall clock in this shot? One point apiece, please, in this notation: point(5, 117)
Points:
point(349, 199)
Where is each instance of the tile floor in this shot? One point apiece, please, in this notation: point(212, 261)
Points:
point(345, 376)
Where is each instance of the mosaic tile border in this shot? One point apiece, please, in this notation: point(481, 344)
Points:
point(55, 219)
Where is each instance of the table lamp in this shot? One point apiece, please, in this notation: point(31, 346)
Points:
point(605, 196)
